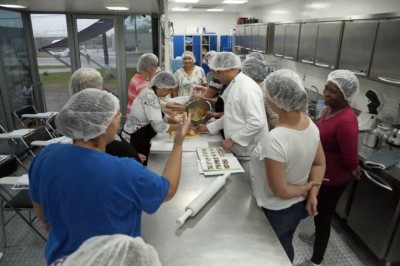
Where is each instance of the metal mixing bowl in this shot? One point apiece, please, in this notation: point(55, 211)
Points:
point(196, 106)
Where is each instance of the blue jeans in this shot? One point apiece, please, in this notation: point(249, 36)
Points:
point(284, 222)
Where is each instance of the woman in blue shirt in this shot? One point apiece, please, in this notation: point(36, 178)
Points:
point(79, 191)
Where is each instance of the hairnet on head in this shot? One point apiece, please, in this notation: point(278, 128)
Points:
point(146, 62)
point(84, 78)
point(208, 55)
point(87, 114)
point(254, 68)
point(285, 88)
point(164, 80)
point(257, 55)
point(189, 53)
point(224, 61)
point(346, 81)
point(119, 250)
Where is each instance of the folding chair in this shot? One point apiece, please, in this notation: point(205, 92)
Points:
point(14, 202)
point(26, 122)
point(51, 126)
point(11, 140)
point(40, 133)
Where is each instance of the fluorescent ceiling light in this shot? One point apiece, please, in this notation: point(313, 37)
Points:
point(215, 10)
point(180, 9)
point(317, 5)
point(186, 1)
point(235, 2)
point(116, 4)
point(14, 3)
point(279, 11)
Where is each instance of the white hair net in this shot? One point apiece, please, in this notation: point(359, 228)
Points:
point(254, 68)
point(146, 62)
point(87, 114)
point(164, 80)
point(285, 88)
point(189, 53)
point(84, 78)
point(347, 83)
point(208, 55)
point(257, 55)
point(224, 61)
point(115, 250)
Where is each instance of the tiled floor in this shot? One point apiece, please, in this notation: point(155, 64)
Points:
point(26, 248)
point(344, 247)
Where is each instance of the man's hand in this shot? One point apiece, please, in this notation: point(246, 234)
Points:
point(227, 144)
point(201, 128)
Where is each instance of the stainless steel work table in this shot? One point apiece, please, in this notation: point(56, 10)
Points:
point(229, 230)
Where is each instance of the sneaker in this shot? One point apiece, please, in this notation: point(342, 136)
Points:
point(306, 237)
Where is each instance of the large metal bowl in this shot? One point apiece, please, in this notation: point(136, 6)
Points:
point(198, 106)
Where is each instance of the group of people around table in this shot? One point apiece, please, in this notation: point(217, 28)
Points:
point(99, 185)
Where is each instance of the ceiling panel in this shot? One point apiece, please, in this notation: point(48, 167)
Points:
point(89, 6)
point(137, 6)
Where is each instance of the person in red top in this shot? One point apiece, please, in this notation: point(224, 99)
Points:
point(338, 129)
point(147, 66)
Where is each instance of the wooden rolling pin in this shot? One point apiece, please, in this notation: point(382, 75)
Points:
point(203, 198)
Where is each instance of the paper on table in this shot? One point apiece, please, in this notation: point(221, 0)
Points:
point(22, 182)
point(215, 160)
point(213, 173)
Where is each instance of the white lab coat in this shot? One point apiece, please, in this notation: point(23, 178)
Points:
point(244, 119)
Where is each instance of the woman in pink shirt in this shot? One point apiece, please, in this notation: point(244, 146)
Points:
point(338, 129)
point(147, 65)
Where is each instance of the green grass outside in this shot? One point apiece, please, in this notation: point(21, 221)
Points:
point(52, 67)
point(60, 81)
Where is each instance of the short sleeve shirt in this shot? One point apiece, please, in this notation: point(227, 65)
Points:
point(85, 193)
point(186, 82)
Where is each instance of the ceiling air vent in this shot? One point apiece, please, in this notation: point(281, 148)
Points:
point(202, 6)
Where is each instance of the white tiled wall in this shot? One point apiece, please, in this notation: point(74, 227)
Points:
point(292, 10)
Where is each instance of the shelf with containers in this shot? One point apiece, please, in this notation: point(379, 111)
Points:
point(198, 44)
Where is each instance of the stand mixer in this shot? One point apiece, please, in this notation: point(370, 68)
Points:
point(367, 119)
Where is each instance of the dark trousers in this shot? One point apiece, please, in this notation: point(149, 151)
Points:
point(327, 199)
point(284, 222)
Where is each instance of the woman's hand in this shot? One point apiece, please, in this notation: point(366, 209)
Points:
point(311, 205)
point(197, 96)
point(182, 129)
point(356, 173)
point(168, 112)
point(200, 88)
point(142, 157)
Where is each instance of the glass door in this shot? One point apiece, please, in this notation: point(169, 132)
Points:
point(15, 70)
point(97, 48)
point(53, 58)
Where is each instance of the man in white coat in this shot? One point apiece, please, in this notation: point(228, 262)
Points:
point(244, 120)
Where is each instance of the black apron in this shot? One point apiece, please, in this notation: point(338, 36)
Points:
point(141, 139)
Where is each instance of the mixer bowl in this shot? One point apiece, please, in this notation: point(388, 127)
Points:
point(198, 109)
